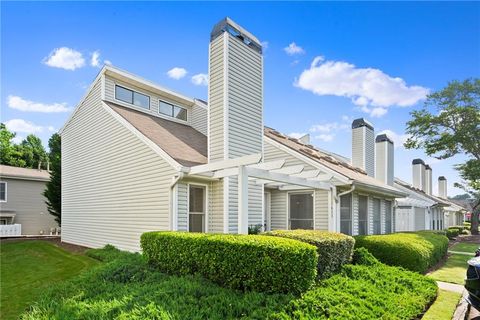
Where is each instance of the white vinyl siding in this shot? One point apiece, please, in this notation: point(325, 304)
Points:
point(321, 209)
point(114, 186)
point(182, 207)
point(278, 211)
point(272, 153)
point(216, 212)
point(198, 118)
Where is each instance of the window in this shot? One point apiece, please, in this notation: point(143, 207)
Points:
point(170, 110)
point(3, 191)
point(377, 229)
point(388, 217)
point(301, 210)
point(132, 97)
point(362, 215)
point(346, 214)
point(196, 215)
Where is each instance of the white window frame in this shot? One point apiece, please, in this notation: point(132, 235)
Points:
point(6, 191)
point(133, 93)
point(267, 210)
point(173, 105)
point(368, 213)
point(206, 214)
point(306, 191)
point(340, 213)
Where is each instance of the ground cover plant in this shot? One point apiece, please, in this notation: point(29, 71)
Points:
point(334, 249)
point(125, 286)
point(415, 251)
point(29, 267)
point(245, 262)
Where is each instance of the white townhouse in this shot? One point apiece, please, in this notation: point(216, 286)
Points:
point(138, 157)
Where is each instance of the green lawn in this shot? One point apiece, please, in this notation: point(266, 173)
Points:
point(28, 268)
point(453, 270)
point(465, 247)
point(444, 306)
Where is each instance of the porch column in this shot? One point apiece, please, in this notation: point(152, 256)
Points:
point(242, 200)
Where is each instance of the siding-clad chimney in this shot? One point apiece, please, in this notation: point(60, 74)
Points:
point(305, 138)
point(442, 187)
point(418, 174)
point(384, 161)
point(235, 118)
point(363, 146)
point(428, 179)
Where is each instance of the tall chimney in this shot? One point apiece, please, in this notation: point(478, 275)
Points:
point(363, 146)
point(428, 179)
point(384, 161)
point(442, 187)
point(418, 174)
point(235, 117)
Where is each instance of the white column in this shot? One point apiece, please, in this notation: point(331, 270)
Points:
point(242, 200)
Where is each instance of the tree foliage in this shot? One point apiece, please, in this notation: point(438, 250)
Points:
point(53, 189)
point(454, 128)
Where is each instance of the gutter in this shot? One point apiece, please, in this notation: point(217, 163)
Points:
point(337, 197)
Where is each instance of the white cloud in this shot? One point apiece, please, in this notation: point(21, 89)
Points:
point(65, 58)
point(371, 89)
point(200, 79)
point(95, 59)
point(107, 62)
point(264, 45)
point(16, 102)
point(398, 139)
point(177, 73)
point(296, 135)
point(325, 137)
point(328, 127)
point(293, 49)
point(20, 125)
point(17, 139)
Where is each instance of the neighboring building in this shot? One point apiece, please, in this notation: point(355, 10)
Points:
point(138, 157)
point(22, 201)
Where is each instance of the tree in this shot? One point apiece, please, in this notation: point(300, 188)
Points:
point(10, 154)
point(453, 129)
point(33, 152)
point(53, 191)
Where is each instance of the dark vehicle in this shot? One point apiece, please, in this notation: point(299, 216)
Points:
point(472, 282)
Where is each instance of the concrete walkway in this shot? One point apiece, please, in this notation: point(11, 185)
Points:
point(462, 253)
point(450, 286)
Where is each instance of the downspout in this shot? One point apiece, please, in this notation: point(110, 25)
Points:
point(337, 197)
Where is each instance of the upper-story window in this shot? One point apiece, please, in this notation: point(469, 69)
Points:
point(171, 110)
point(132, 97)
point(3, 191)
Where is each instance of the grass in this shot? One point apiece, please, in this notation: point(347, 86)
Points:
point(126, 287)
point(30, 267)
point(465, 247)
point(444, 306)
point(453, 270)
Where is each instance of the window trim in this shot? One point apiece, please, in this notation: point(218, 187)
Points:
point(380, 214)
point(367, 214)
point(173, 109)
point(206, 215)
point(340, 213)
point(6, 191)
point(385, 202)
point(133, 96)
point(306, 191)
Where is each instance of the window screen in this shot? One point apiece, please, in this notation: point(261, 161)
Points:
point(3, 191)
point(197, 209)
point(388, 217)
point(132, 97)
point(362, 215)
point(346, 214)
point(123, 94)
point(377, 220)
point(301, 211)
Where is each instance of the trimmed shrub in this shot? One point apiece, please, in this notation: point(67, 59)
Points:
point(245, 262)
point(414, 251)
point(334, 249)
point(361, 256)
point(453, 233)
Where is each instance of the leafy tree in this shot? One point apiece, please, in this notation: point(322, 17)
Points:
point(453, 129)
point(53, 189)
point(33, 152)
point(10, 154)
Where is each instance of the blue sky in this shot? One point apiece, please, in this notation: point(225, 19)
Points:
point(373, 60)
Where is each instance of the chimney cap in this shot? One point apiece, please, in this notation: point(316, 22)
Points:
point(228, 25)
point(442, 178)
point(361, 122)
point(418, 161)
point(383, 137)
point(427, 167)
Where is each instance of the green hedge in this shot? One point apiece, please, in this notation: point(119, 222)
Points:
point(245, 262)
point(453, 232)
point(334, 249)
point(414, 251)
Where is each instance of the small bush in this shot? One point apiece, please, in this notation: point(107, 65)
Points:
point(414, 251)
point(334, 249)
point(452, 233)
point(245, 262)
point(361, 256)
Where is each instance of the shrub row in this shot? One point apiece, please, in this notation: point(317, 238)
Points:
point(245, 262)
point(334, 249)
point(453, 232)
point(414, 251)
